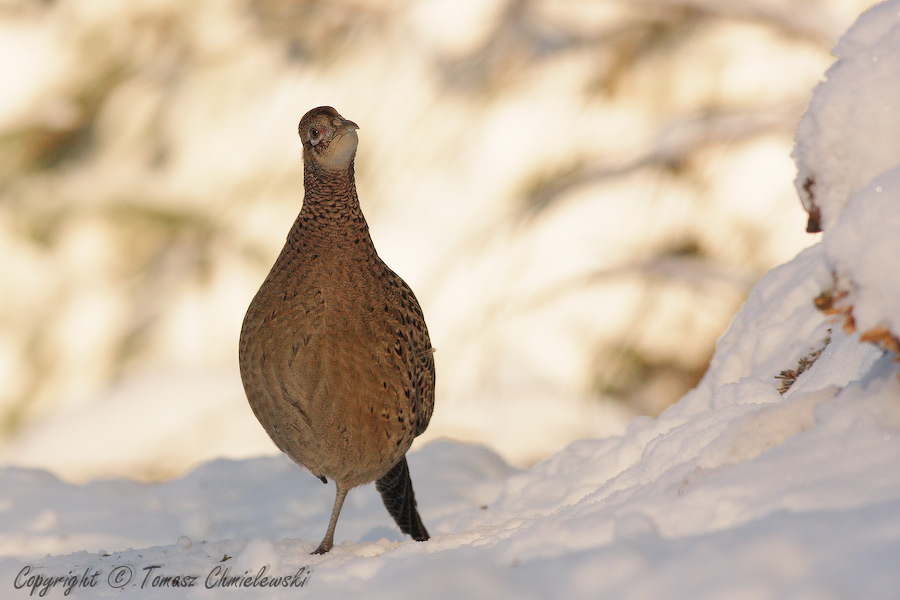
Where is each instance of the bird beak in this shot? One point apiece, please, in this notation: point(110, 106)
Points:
point(347, 125)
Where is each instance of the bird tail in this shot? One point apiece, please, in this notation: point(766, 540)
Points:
point(399, 499)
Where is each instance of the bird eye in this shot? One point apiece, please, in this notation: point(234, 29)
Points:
point(314, 132)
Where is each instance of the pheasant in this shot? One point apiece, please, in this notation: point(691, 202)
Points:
point(334, 353)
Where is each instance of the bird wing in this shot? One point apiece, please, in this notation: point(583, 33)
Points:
point(417, 353)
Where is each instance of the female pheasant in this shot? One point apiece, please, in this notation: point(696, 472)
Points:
point(334, 353)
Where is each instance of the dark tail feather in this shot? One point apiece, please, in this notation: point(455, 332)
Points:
point(397, 494)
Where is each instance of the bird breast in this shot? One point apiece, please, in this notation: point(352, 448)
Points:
point(336, 397)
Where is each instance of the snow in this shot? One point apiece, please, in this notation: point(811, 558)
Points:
point(847, 154)
point(847, 137)
point(858, 245)
point(737, 491)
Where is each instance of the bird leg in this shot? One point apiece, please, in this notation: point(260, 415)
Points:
point(328, 540)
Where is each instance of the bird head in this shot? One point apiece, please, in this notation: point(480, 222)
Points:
point(328, 139)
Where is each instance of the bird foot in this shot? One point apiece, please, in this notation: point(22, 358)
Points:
point(324, 547)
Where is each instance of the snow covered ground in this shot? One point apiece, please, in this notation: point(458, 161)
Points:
point(737, 491)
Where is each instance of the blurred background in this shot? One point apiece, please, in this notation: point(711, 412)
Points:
point(580, 192)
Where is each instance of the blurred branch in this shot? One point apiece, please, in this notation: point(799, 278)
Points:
point(672, 147)
point(523, 35)
point(317, 29)
point(679, 140)
point(697, 272)
point(793, 19)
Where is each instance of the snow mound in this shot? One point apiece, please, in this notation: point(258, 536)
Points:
point(851, 131)
point(861, 249)
point(848, 155)
point(776, 477)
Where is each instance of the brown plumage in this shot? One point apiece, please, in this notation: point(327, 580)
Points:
point(334, 353)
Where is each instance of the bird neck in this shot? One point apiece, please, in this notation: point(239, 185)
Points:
point(330, 213)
